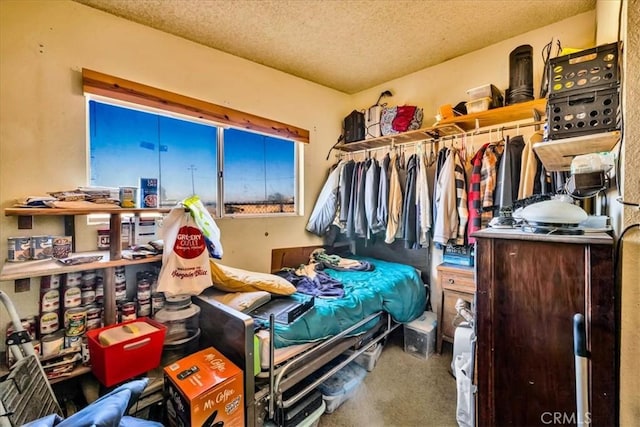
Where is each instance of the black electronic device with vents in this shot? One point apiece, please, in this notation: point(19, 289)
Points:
point(520, 75)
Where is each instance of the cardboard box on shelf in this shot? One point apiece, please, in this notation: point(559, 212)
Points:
point(204, 388)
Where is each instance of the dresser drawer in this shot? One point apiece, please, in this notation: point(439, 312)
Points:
point(456, 279)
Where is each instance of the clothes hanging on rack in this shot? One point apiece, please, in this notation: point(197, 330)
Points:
point(488, 180)
point(530, 167)
point(409, 209)
point(371, 188)
point(461, 197)
point(509, 173)
point(382, 212)
point(395, 201)
point(474, 198)
point(423, 201)
point(324, 211)
point(345, 191)
point(446, 219)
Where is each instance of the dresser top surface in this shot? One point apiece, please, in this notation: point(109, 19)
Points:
point(517, 234)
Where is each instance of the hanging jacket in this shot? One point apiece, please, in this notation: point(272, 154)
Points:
point(446, 223)
point(509, 172)
point(461, 197)
point(409, 209)
point(371, 188)
point(382, 212)
point(324, 211)
point(529, 168)
point(423, 202)
point(395, 201)
point(488, 179)
point(345, 190)
point(474, 200)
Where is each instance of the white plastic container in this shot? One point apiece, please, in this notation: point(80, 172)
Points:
point(420, 335)
point(342, 385)
point(478, 105)
point(369, 358)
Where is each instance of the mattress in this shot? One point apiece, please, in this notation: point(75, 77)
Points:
point(391, 287)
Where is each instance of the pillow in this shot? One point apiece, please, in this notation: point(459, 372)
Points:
point(241, 301)
point(231, 279)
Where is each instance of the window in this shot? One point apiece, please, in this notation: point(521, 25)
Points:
point(233, 171)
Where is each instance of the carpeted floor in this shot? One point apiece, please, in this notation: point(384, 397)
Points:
point(402, 391)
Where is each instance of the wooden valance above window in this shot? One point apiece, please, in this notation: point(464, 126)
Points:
point(124, 90)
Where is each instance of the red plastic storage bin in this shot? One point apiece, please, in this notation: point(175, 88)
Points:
point(121, 361)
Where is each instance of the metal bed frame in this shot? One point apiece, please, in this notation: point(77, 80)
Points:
point(232, 333)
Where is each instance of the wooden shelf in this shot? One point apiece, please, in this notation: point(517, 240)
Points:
point(80, 370)
point(495, 116)
point(454, 126)
point(46, 267)
point(66, 212)
point(556, 155)
point(424, 134)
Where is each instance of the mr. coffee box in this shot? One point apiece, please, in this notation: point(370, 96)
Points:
point(204, 389)
point(148, 193)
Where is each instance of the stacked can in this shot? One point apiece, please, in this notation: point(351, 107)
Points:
point(143, 293)
point(120, 285)
point(74, 313)
point(89, 296)
point(49, 308)
point(157, 302)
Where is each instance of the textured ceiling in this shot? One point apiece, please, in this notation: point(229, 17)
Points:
point(348, 45)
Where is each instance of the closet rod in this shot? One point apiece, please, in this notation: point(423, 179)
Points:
point(447, 137)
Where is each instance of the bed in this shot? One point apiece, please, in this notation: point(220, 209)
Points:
point(275, 360)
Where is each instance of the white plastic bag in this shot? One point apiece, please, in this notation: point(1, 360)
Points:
point(185, 260)
point(465, 407)
point(206, 224)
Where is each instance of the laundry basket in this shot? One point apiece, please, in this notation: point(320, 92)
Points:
point(27, 382)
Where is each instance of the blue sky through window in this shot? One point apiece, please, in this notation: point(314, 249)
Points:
point(128, 144)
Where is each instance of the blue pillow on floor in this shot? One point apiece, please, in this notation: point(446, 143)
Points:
point(107, 411)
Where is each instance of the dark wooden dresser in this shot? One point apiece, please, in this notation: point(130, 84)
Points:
point(529, 286)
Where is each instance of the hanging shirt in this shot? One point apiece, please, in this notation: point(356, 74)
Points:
point(326, 205)
point(474, 200)
point(529, 168)
point(446, 223)
point(383, 197)
point(345, 191)
point(371, 188)
point(488, 179)
point(423, 202)
point(395, 201)
point(409, 208)
point(461, 198)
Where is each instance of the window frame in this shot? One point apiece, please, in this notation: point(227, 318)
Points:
point(219, 211)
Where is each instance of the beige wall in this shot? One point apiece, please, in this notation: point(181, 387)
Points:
point(45, 44)
point(630, 301)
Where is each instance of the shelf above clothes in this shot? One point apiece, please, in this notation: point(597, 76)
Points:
point(458, 125)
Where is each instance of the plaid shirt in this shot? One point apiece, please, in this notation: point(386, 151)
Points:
point(473, 197)
point(488, 180)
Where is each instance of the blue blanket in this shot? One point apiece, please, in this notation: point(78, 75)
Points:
point(391, 287)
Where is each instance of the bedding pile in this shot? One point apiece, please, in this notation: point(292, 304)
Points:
point(383, 286)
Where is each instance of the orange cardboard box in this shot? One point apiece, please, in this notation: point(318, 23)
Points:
point(204, 389)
